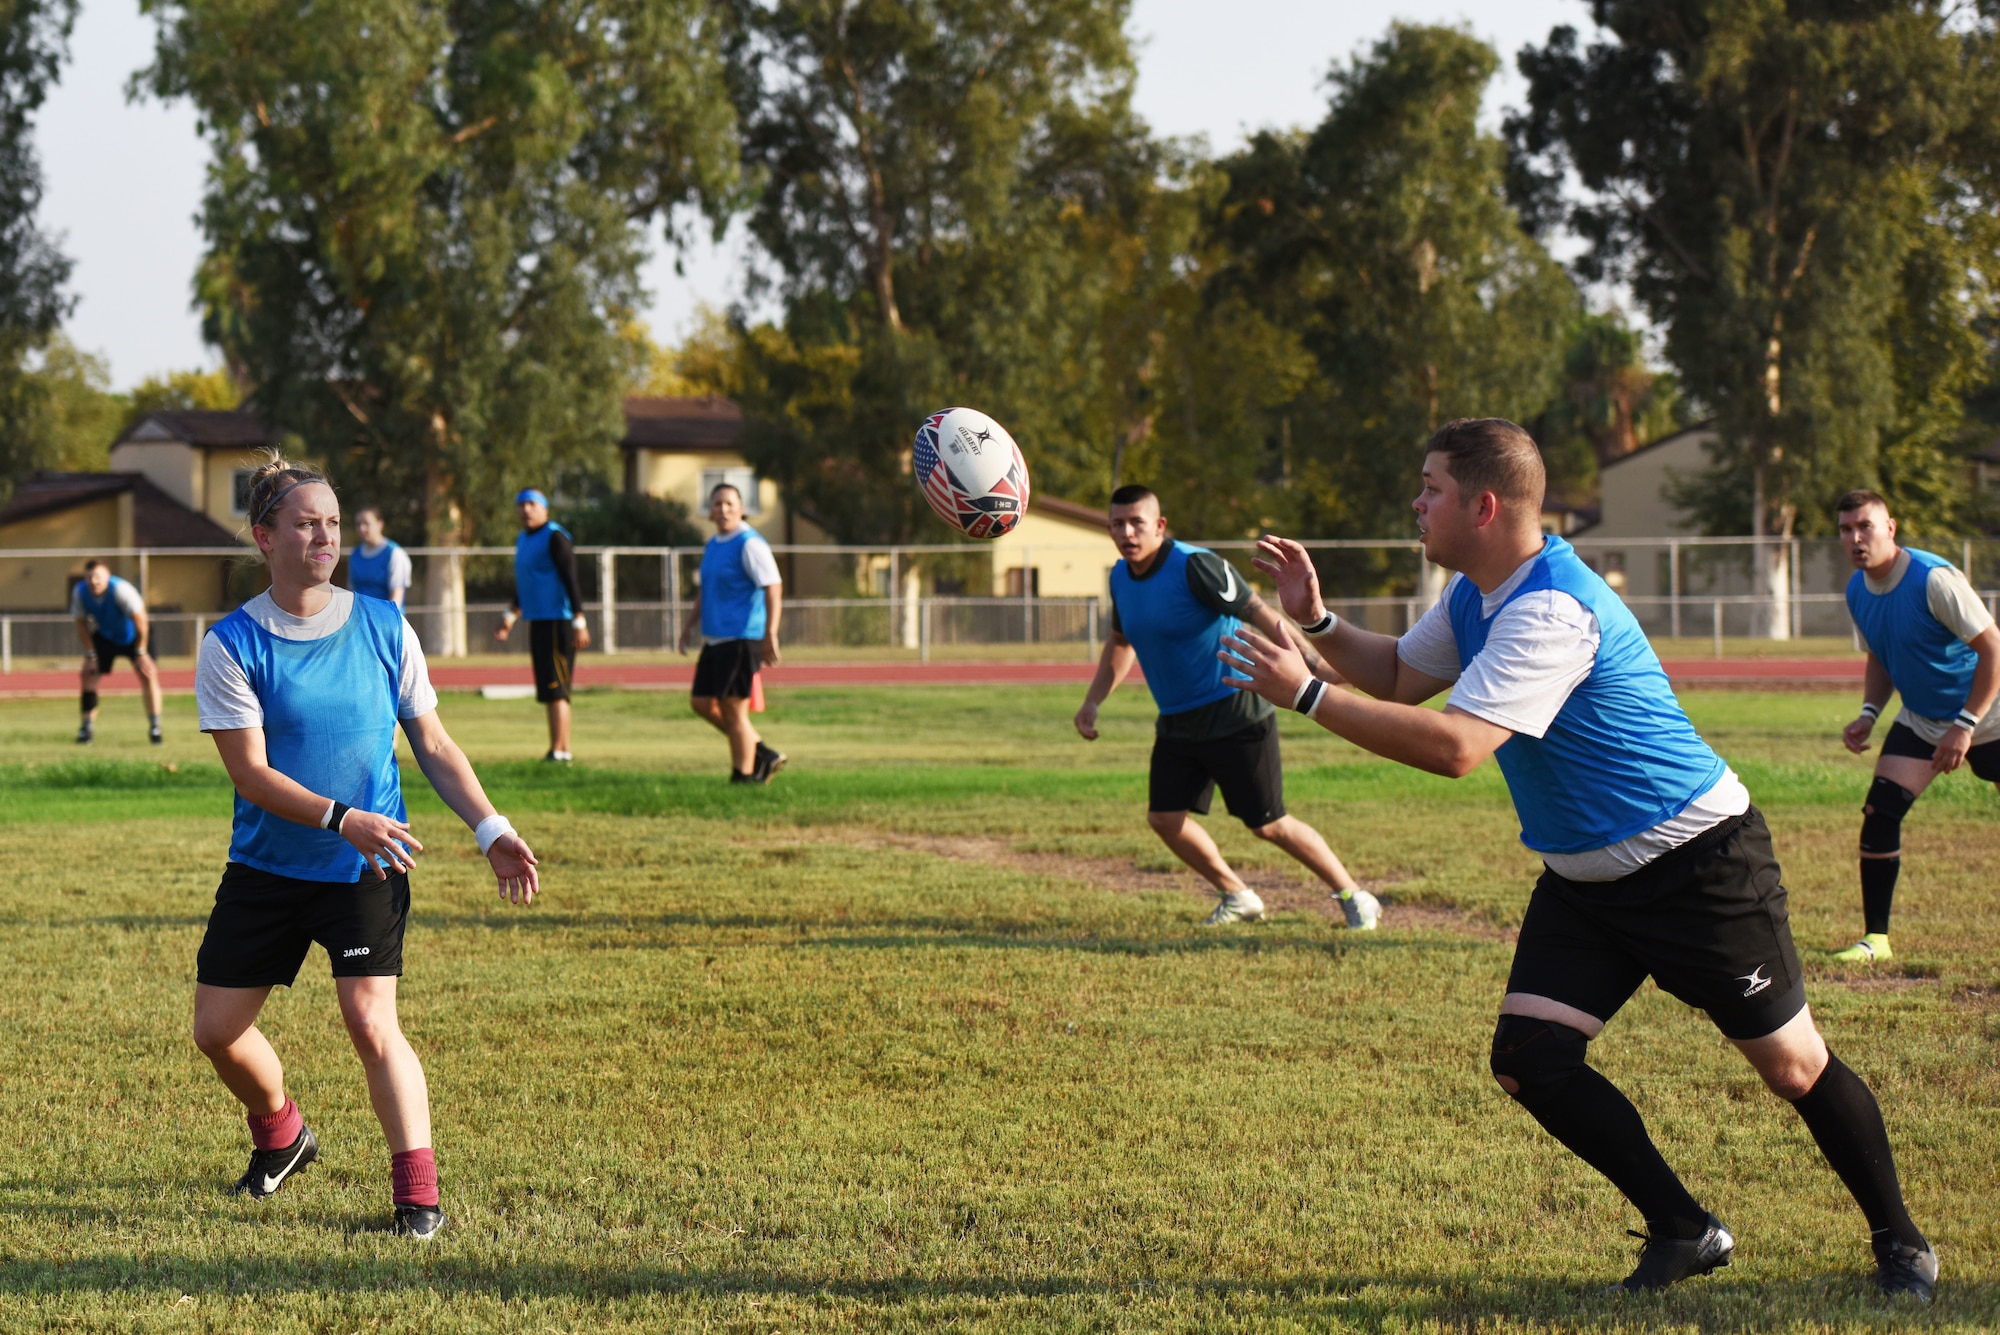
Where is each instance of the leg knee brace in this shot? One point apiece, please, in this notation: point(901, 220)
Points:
point(1539, 1056)
point(1882, 817)
point(89, 701)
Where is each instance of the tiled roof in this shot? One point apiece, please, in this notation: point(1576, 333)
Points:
point(158, 520)
point(203, 428)
point(656, 423)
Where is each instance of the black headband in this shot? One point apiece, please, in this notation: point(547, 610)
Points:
point(272, 504)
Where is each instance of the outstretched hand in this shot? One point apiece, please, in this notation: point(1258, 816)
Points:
point(1291, 569)
point(1274, 671)
point(513, 864)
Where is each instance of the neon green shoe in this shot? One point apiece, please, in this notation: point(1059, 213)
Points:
point(1870, 949)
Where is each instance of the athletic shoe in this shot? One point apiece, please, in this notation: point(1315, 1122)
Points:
point(769, 761)
point(270, 1168)
point(155, 734)
point(552, 758)
point(83, 735)
point(1363, 910)
point(738, 776)
point(1905, 1269)
point(1242, 906)
point(422, 1222)
point(1666, 1261)
point(1868, 950)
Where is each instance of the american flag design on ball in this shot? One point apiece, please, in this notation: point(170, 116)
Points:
point(971, 472)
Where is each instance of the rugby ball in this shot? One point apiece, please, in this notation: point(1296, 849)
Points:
point(971, 472)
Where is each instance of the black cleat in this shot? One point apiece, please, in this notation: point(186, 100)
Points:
point(1905, 1269)
point(754, 776)
point(269, 1169)
point(155, 734)
point(769, 761)
point(419, 1221)
point(83, 736)
point(1667, 1261)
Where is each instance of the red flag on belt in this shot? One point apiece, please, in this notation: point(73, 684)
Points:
point(756, 692)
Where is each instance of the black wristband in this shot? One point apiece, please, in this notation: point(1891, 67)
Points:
point(1967, 720)
point(1310, 697)
point(1323, 625)
point(336, 814)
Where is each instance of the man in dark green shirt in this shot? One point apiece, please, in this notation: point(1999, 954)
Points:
point(1171, 606)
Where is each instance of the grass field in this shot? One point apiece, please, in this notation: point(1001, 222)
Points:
point(920, 1038)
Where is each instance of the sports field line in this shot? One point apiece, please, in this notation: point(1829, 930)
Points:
point(1742, 673)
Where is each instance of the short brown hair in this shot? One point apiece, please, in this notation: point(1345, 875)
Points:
point(1492, 454)
point(1858, 499)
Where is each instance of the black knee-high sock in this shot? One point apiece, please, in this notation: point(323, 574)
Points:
point(1878, 891)
point(1845, 1120)
point(1597, 1123)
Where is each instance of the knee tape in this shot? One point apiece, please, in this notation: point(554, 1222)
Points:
point(1882, 818)
point(1540, 1056)
point(89, 701)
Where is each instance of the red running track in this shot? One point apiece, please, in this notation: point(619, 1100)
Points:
point(1738, 673)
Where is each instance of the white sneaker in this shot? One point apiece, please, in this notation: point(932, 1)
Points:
point(1243, 906)
point(1363, 910)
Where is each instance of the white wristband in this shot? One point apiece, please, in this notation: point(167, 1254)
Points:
point(579, 623)
point(490, 829)
point(1869, 709)
point(1323, 626)
point(326, 820)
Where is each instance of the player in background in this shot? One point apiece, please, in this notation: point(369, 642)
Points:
point(377, 567)
point(737, 609)
point(302, 689)
point(1932, 641)
point(1656, 862)
point(1171, 605)
point(547, 594)
point(111, 621)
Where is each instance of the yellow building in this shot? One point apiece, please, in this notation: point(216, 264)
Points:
point(203, 458)
point(90, 513)
point(1065, 548)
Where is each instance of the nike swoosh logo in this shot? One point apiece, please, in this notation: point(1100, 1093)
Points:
point(1228, 584)
point(271, 1183)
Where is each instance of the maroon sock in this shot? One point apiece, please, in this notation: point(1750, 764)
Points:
point(413, 1175)
point(274, 1131)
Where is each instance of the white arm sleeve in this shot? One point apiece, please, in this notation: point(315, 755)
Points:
point(1540, 647)
point(76, 602)
point(222, 693)
point(130, 601)
point(1431, 647)
point(414, 696)
point(760, 563)
point(1951, 599)
point(399, 569)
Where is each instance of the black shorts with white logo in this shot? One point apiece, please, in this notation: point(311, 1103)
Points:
point(552, 645)
point(1706, 920)
point(109, 653)
point(1245, 765)
point(263, 924)
point(725, 669)
point(1983, 760)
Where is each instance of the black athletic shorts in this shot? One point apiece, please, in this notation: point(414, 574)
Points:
point(108, 653)
point(1706, 920)
point(263, 924)
point(725, 669)
point(552, 644)
point(1245, 765)
point(1983, 760)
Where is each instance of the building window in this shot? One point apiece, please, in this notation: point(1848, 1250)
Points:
point(239, 491)
point(743, 479)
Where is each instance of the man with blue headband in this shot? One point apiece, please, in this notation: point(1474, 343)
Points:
point(547, 596)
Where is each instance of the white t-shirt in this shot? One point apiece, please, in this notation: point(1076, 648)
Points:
point(1539, 649)
point(129, 601)
point(222, 691)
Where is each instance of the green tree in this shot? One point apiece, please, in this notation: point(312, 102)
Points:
point(1384, 238)
point(64, 414)
point(215, 389)
point(1800, 196)
point(424, 224)
point(958, 206)
point(34, 41)
point(1610, 403)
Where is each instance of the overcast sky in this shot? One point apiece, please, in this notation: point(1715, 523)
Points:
point(124, 180)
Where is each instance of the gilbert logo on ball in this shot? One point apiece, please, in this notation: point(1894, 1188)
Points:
point(971, 472)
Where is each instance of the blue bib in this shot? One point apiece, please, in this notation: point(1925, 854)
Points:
point(1176, 636)
point(113, 622)
point(1931, 667)
point(1621, 756)
point(537, 586)
point(329, 723)
point(732, 606)
point(370, 574)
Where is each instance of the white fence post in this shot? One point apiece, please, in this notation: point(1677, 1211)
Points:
point(673, 597)
point(1674, 584)
point(1716, 607)
point(1090, 618)
point(6, 644)
point(607, 589)
point(924, 630)
point(1027, 595)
